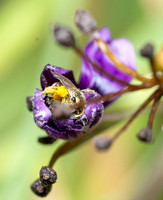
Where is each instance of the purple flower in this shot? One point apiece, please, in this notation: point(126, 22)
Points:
point(98, 84)
point(67, 128)
point(92, 78)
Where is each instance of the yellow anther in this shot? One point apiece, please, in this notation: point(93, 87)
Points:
point(58, 93)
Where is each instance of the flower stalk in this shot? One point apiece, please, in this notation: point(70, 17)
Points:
point(156, 94)
point(154, 110)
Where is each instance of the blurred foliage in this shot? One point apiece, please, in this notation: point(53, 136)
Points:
point(130, 170)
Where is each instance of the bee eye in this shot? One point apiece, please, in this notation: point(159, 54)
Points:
point(74, 99)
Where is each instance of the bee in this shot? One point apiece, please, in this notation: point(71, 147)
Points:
point(74, 99)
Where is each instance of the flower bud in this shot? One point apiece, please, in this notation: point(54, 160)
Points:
point(103, 143)
point(29, 102)
point(64, 36)
point(46, 140)
point(47, 175)
point(145, 135)
point(40, 189)
point(85, 22)
point(147, 51)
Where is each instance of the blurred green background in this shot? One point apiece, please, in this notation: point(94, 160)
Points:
point(131, 170)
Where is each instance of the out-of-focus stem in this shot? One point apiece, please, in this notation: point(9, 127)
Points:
point(115, 94)
point(153, 111)
point(138, 111)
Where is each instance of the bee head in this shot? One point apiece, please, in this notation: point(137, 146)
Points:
point(77, 99)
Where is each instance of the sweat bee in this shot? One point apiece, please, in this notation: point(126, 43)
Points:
point(67, 93)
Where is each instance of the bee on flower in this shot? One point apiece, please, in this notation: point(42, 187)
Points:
point(73, 110)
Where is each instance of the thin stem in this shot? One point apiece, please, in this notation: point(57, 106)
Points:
point(154, 70)
point(82, 138)
point(66, 147)
point(153, 111)
point(118, 93)
point(70, 145)
point(109, 96)
point(138, 111)
point(81, 53)
point(104, 48)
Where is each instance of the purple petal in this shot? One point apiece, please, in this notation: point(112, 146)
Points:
point(42, 118)
point(53, 132)
point(66, 129)
point(105, 34)
point(91, 116)
point(87, 72)
point(40, 112)
point(93, 111)
point(47, 78)
point(92, 78)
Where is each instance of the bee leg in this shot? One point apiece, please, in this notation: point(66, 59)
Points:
point(47, 140)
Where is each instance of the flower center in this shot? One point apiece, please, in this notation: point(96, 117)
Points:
point(71, 98)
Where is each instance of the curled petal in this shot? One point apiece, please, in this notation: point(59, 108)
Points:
point(47, 78)
point(66, 129)
point(42, 117)
point(40, 112)
point(91, 116)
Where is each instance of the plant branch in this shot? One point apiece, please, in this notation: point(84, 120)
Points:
point(138, 111)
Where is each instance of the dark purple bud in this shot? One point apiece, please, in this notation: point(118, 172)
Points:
point(40, 189)
point(85, 22)
point(145, 135)
point(48, 175)
point(103, 143)
point(147, 51)
point(29, 102)
point(64, 36)
point(46, 140)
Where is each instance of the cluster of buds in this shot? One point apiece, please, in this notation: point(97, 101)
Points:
point(65, 108)
point(42, 186)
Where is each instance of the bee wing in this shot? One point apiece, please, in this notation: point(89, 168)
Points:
point(65, 81)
